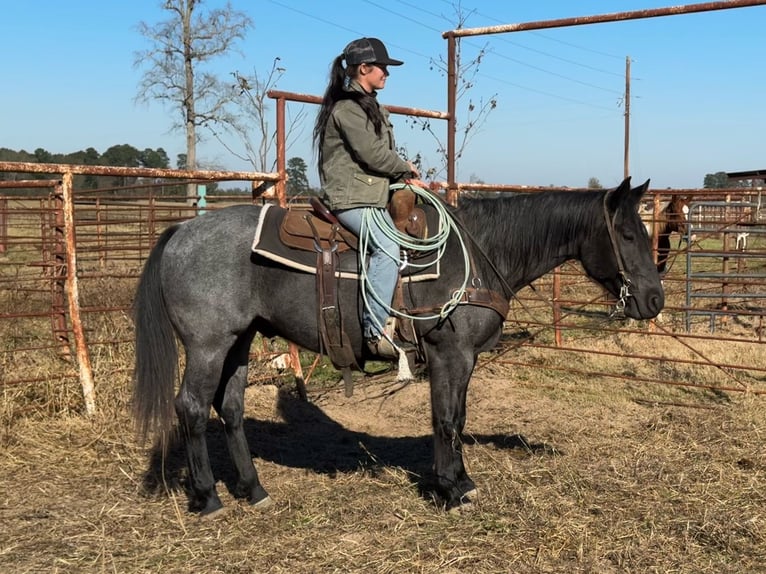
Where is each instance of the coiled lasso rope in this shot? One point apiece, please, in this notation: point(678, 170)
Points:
point(438, 243)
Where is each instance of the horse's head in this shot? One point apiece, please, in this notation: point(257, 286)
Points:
point(618, 254)
point(677, 216)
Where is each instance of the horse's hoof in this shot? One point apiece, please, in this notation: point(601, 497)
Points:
point(263, 503)
point(213, 513)
point(472, 495)
point(464, 505)
point(206, 507)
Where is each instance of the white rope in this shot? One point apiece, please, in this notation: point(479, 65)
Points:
point(437, 242)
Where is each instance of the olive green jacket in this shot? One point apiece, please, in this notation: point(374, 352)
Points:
point(359, 165)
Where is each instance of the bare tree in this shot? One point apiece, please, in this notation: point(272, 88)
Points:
point(473, 113)
point(174, 71)
point(249, 115)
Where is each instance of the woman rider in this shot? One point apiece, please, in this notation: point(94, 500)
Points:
point(357, 163)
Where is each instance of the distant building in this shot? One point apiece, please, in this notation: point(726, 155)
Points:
point(753, 178)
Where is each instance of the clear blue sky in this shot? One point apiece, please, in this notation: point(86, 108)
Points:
point(697, 82)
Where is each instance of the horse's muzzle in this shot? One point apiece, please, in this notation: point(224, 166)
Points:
point(645, 305)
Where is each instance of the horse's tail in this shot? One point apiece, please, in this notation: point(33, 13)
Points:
point(156, 366)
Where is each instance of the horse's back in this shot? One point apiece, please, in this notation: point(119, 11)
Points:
point(215, 230)
point(207, 270)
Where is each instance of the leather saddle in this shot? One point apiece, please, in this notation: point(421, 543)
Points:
point(317, 233)
point(319, 229)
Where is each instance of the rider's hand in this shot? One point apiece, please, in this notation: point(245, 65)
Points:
point(419, 183)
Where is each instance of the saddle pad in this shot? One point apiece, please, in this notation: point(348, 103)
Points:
point(267, 243)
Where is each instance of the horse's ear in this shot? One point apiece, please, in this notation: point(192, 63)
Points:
point(626, 195)
point(619, 195)
point(638, 192)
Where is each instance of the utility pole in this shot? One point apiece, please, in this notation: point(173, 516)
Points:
point(626, 159)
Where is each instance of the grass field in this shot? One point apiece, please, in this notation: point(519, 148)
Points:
point(575, 475)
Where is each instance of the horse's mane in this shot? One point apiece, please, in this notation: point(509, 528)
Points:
point(517, 230)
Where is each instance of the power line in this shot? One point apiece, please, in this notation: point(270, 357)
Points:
point(550, 38)
point(583, 48)
point(433, 14)
point(403, 16)
point(482, 74)
point(544, 93)
point(562, 76)
point(314, 17)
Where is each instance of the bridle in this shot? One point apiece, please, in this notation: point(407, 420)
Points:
point(625, 282)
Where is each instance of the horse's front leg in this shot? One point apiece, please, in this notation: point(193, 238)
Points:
point(450, 371)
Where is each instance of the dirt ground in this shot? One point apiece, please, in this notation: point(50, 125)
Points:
point(574, 476)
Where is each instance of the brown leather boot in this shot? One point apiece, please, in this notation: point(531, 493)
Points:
point(381, 347)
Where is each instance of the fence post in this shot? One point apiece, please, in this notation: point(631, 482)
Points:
point(726, 242)
point(152, 220)
point(73, 297)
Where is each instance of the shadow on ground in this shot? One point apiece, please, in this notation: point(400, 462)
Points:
point(309, 439)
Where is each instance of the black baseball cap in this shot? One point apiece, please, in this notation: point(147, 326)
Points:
point(368, 51)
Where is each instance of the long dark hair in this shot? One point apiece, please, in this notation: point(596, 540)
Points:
point(335, 92)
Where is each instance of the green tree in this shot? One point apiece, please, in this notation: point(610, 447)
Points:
point(298, 181)
point(43, 156)
point(85, 157)
point(154, 158)
point(717, 180)
point(594, 183)
point(123, 155)
point(175, 74)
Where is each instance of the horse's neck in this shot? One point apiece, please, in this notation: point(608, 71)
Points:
point(526, 237)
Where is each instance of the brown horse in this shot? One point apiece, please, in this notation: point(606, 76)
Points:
point(673, 218)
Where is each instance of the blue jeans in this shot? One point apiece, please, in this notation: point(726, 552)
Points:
point(382, 269)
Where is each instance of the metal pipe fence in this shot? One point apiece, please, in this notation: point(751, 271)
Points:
point(70, 259)
point(114, 237)
point(70, 262)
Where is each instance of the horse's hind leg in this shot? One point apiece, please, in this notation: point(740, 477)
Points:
point(229, 403)
point(200, 381)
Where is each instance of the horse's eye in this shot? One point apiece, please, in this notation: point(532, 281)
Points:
point(629, 235)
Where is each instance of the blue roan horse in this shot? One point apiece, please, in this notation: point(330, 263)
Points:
point(204, 285)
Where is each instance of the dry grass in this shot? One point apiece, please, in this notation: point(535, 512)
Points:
point(577, 473)
point(575, 476)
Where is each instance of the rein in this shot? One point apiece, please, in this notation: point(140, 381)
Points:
point(619, 306)
point(499, 302)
